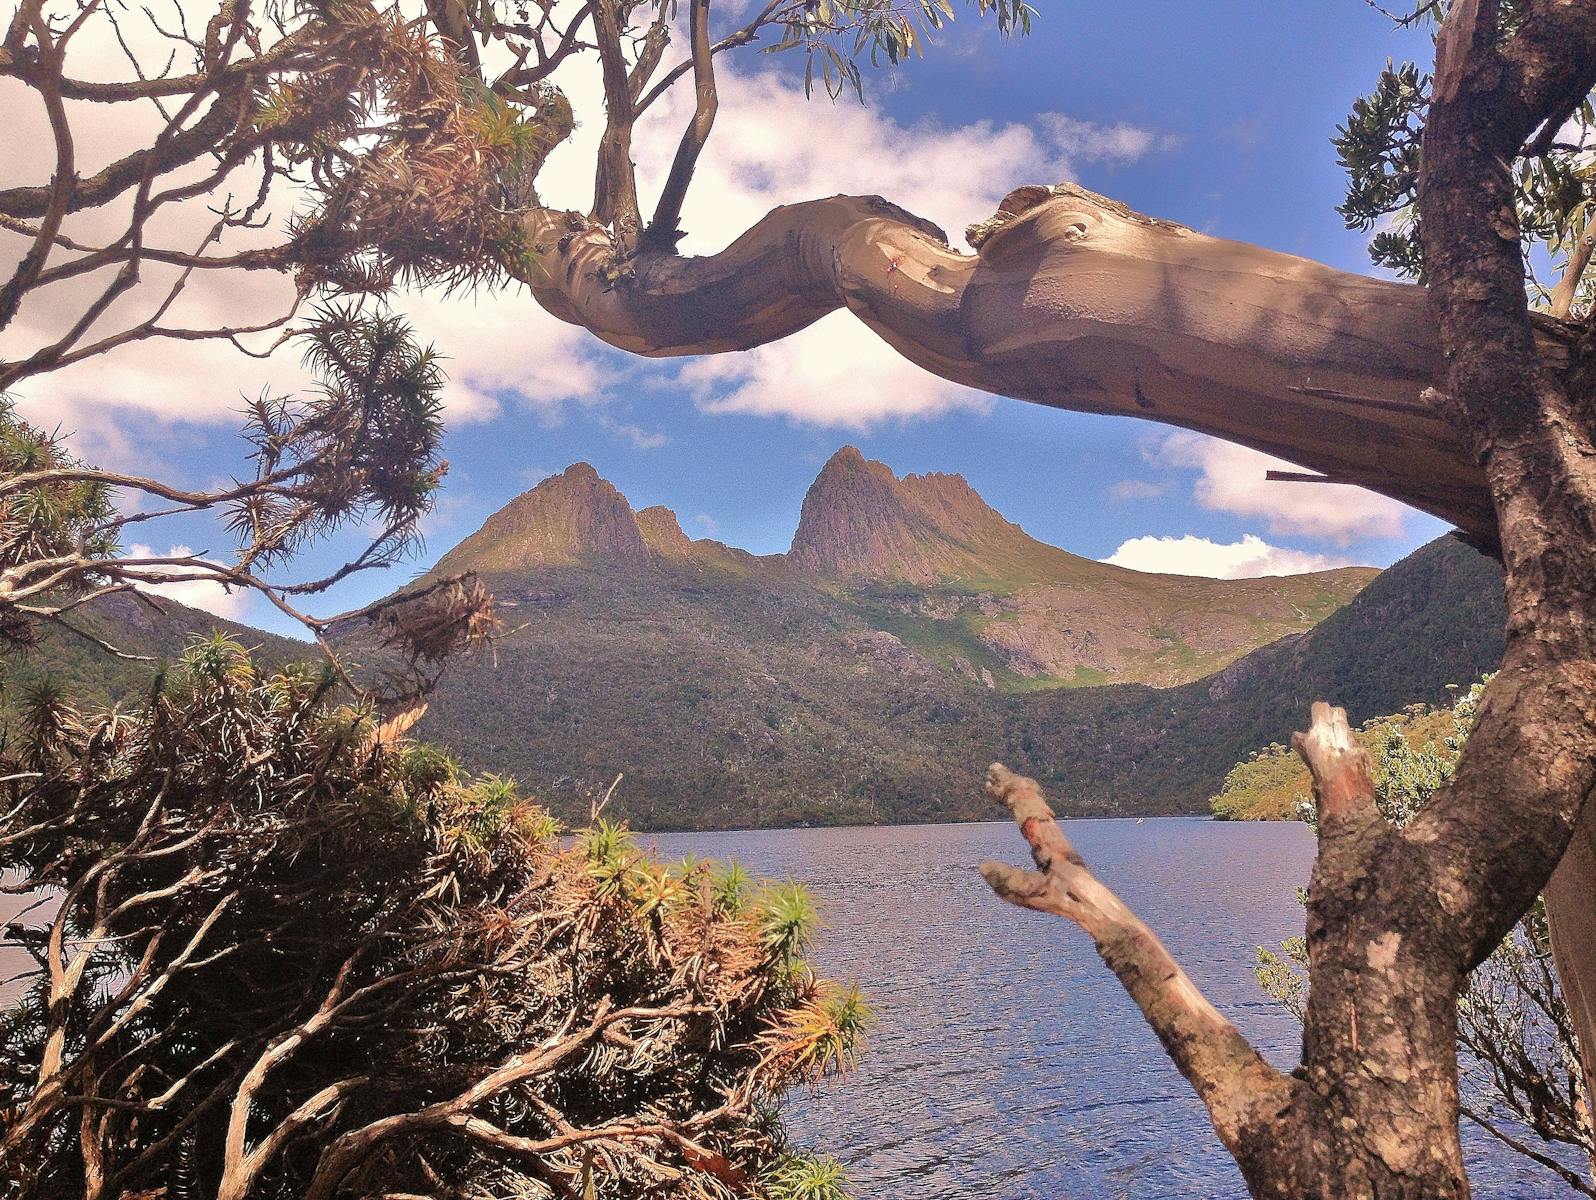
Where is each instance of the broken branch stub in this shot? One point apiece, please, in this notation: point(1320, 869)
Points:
point(1343, 777)
point(1243, 1094)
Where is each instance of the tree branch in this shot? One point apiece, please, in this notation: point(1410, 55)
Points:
point(1239, 1088)
point(615, 188)
point(664, 230)
point(1071, 300)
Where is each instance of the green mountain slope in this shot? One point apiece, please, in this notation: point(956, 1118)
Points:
point(158, 630)
point(859, 678)
point(1432, 620)
point(925, 559)
point(869, 674)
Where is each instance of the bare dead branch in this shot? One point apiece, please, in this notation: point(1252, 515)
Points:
point(1235, 1083)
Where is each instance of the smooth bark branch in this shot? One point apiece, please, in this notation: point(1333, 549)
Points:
point(1071, 300)
point(1241, 1091)
point(664, 230)
point(615, 188)
point(1567, 289)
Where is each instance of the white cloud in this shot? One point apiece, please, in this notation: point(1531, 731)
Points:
point(1232, 480)
point(203, 594)
point(707, 523)
point(1119, 142)
point(1136, 489)
point(1190, 555)
point(641, 439)
point(835, 373)
point(771, 146)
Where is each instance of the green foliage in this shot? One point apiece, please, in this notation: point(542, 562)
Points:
point(806, 1177)
point(839, 34)
point(1284, 975)
point(1413, 753)
point(787, 919)
point(1379, 147)
point(610, 850)
point(1271, 785)
point(362, 449)
point(730, 885)
point(51, 520)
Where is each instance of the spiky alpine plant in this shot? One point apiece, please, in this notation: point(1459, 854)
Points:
point(276, 952)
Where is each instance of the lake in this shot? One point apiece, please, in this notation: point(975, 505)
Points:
point(1007, 1062)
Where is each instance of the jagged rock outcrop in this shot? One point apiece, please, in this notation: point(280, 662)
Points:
point(663, 532)
point(569, 518)
point(860, 520)
point(926, 557)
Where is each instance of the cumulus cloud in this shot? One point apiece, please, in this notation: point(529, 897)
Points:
point(771, 146)
point(1119, 142)
point(203, 594)
point(1231, 479)
point(836, 373)
point(1136, 489)
point(1191, 555)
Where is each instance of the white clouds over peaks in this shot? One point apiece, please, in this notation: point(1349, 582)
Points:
point(203, 594)
point(1188, 555)
point(1232, 480)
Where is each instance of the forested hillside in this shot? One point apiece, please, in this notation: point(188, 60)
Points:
point(152, 632)
point(734, 690)
point(859, 679)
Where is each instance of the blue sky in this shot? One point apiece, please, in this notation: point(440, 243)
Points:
point(1217, 114)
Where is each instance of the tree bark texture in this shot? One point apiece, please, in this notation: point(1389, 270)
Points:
point(1451, 397)
point(1074, 301)
point(1367, 1114)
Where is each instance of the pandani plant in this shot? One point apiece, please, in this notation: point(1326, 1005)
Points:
point(274, 949)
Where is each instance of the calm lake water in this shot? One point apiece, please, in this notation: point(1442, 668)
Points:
point(1007, 1063)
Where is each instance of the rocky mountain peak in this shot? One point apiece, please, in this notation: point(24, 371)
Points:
point(663, 532)
point(859, 519)
point(570, 517)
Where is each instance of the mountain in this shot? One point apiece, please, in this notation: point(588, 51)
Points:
point(910, 636)
point(859, 520)
point(157, 630)
point(926, 560)
point(573, 517)
point(861, 677)
point(1432, 621)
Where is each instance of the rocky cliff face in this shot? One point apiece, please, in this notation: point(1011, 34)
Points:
point(663, 532)
point(569, 518)
point(859, 520)
point(925, 559)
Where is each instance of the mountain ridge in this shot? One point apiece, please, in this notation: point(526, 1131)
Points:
point(926, 559)
point(751, 700)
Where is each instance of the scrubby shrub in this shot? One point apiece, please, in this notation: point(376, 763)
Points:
point(281, 953)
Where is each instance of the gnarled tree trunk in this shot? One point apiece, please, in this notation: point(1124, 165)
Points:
point(1451, 397)
point(1074, 301)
